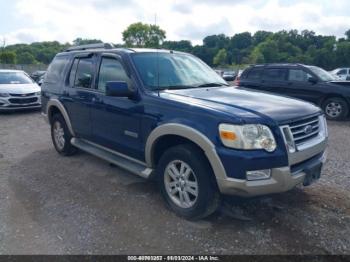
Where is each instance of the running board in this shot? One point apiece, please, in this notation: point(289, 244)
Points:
point(132, 165)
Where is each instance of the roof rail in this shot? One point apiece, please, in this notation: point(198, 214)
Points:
point(90, 46)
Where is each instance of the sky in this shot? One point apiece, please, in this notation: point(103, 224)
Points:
point(26, 21)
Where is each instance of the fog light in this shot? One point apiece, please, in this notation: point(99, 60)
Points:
point(258, 174)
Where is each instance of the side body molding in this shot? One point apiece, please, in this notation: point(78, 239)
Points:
point(190, 133)
point(56, 103)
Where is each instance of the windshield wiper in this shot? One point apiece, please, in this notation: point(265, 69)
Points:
point(172, 87)
point(214, 84)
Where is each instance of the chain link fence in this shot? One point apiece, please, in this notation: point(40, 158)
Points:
point(27, 68)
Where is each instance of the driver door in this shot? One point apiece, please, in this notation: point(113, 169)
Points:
point(116, 120)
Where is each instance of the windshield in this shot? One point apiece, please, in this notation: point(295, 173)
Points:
point(161, 71)
point(14, 78)
point(322, 74)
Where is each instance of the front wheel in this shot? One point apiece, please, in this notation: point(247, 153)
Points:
point(335, 108)
point(61, 136)
point(187, 182)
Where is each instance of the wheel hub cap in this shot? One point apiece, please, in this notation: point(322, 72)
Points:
point(181, 184)
point(333, 109)
point(58, 134)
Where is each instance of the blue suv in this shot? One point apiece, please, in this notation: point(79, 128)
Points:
point(166, 115)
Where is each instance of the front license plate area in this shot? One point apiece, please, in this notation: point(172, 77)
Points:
point(313, 173)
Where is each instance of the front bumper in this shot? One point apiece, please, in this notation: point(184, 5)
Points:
point(282, 179)
point(13, 103)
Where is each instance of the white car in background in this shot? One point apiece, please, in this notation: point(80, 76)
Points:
point(341, 73)
point(18, 91)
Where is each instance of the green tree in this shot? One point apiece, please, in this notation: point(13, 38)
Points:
point(26, 58)
point(81, 41)
point(143, 35)
point(220, 58)
point(7, 57)
point(347, 33)
point(183, 45)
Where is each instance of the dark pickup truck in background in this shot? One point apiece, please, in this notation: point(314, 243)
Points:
point(305, 82)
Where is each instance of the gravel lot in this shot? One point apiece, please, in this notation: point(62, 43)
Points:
point(82, 205)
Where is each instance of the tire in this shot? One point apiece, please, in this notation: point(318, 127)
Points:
point(204, 198)
point(335, 108)
point(61, 136)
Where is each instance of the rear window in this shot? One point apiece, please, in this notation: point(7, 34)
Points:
point(254, 73)
point(55, 70)
point(14, 78)
point(275, 74)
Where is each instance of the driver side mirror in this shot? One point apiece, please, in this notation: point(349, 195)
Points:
point(312, 80)
point(118, 89)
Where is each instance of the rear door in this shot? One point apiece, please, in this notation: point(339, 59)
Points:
point(274, 80)
point(79, 95)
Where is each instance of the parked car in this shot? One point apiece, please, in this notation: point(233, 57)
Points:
point(37, 75)
point(18, 91)
point(341, 73)
point(229, 75)
point(305, 82)
point(166, 115)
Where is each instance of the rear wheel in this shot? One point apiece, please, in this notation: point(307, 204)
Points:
point(61, 136)
point(187, 182)
point(335, 108)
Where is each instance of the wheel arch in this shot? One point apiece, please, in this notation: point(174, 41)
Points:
point(183, 133)
point(55, 106)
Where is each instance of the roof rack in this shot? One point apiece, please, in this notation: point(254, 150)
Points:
point(90, 46)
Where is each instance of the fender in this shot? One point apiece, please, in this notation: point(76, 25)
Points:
point(190, 133)
point(56, 103)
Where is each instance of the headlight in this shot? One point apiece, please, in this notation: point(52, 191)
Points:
point(247, 137)
point(38, 93)
point(4, 95)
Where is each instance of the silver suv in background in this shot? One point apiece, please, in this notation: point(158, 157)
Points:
point(341, 73)
point(18, 91)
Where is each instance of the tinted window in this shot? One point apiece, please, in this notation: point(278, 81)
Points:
point(342, 72)
point(298, 75)
point(110, 70)
point(84, 75)
point(14, 78)
point(255, 73)
point(275, 74)
point(55, 70)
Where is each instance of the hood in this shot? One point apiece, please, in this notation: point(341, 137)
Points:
point(240, 101)
point(19, 88)
point(341, 82)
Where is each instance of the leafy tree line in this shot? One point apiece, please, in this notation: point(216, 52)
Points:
point(216, 50)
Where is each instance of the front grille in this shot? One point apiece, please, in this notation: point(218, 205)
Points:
point(23, 100)
point(305, 129)
point(22, 95)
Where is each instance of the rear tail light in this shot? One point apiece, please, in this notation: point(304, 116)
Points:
point(237, 80)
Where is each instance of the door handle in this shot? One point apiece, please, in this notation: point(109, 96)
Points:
point(290, 83)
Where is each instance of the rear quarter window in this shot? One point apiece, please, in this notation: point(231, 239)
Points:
point(254, 74)
point(55, 71)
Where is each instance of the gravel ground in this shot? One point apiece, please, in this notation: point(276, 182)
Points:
point(81, 205)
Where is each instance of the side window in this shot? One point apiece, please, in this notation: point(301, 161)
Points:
point(55, 70)
point(275, 74)
point(84, 73)
point(110, 70)
point(254, 74)
point(342, 72)
point(298, 75)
